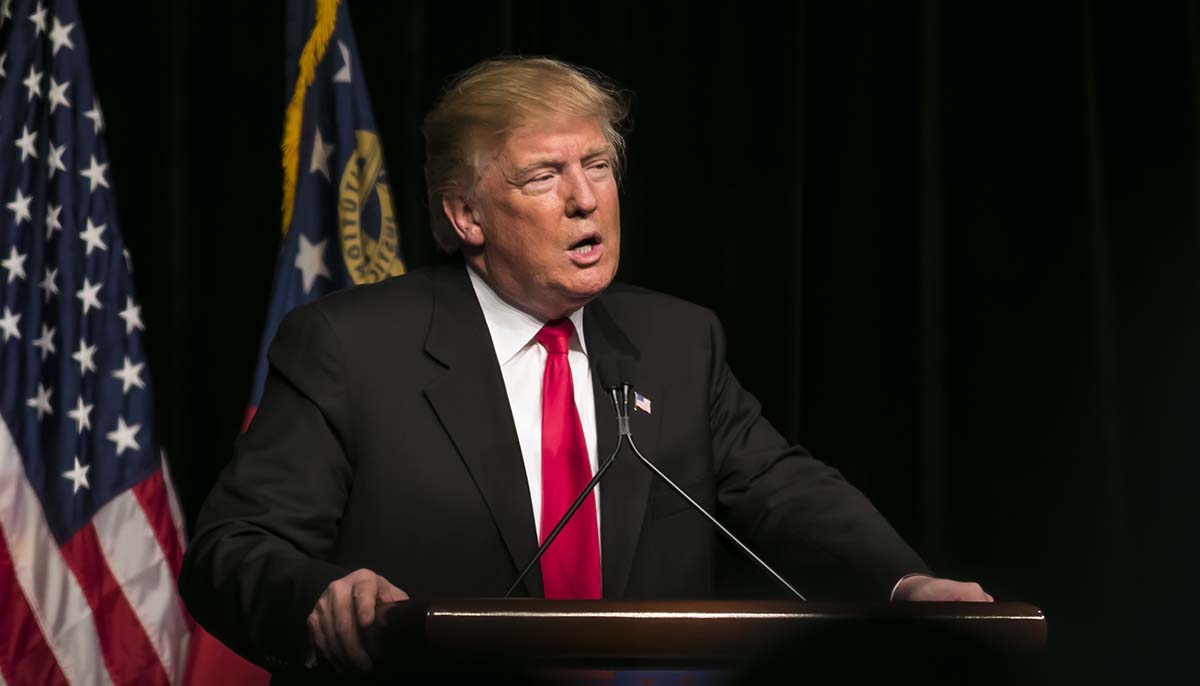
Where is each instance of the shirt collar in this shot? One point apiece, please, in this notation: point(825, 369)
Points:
point(513, 328)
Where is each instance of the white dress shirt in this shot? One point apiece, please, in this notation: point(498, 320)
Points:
point(522, 363)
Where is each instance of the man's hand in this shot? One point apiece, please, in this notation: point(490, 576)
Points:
point(919, 587)
point(346, 607)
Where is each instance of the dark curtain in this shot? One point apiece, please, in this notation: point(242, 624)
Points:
point(954, 245)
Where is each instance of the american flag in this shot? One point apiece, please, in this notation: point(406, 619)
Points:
point(90, 539)
point(641, 402)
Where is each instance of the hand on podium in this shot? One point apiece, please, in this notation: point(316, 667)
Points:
point(343, 611)
point(921, 587)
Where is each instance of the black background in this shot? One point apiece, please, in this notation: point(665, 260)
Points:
point(955, 247)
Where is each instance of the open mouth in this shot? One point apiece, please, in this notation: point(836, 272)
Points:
point(585, 245)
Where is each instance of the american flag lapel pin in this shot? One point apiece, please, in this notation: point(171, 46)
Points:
point(641, 402)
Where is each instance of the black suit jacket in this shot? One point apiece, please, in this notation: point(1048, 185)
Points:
point(385, 440)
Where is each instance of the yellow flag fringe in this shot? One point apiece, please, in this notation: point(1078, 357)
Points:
point(310, 57)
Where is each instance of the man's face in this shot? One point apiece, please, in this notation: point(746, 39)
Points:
point(548, 216)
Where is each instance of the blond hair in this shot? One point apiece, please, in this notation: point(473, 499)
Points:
point(479, 106)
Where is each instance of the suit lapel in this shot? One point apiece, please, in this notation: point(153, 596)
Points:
point(472, 404)
point(625, 490)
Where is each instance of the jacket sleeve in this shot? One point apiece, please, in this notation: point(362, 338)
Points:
point(799, 514)
point(256, 564)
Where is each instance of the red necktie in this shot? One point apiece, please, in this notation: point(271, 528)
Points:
point(571, 565)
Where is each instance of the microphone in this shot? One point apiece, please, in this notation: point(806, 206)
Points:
point(609, 371)
point(617, 375)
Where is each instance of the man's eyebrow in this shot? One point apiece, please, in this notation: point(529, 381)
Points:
point(603, 151)
point(556, 164)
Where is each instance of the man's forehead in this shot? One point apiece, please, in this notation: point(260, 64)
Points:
point(553, 138)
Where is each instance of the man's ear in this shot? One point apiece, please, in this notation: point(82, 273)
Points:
point(464, 219)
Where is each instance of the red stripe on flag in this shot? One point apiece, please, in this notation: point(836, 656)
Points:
point(152, 495)
point(25, 658)
point(127, 651)
point(248, 417)
point(211, 662)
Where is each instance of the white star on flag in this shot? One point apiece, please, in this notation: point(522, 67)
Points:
point(343, 74)
point(48, 285)
point(123, 436)
point(33, 81)
point(15, 265)
point(20, 207)
point(3, 59)
point(130, 375)
point(45, 343)
point(95, 174)
point(8, 323)
point(320, 155)
point(82, 414)
point(41, 402)
point(39, 20)
point(310, 260)
point(52, 222)
point(55, 161)
point(88, 295)
point(78, 476)
point(97, 118)
point(84, 357)
point(27, 143)
point(132, 314)
point(58, 94)
point(91, 236)
point(60, 35)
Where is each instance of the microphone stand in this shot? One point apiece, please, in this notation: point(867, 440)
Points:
point(620, 400)
point(623, 428)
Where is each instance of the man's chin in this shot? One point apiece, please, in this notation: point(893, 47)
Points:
point(577, 297)
point(587, 290)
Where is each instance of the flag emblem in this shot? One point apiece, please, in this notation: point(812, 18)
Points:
point(641, 402)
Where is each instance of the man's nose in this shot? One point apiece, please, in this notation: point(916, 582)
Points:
point(581, 199)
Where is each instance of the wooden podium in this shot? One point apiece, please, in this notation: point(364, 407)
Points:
point(583, 641)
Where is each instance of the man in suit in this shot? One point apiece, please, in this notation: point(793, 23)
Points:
point(420, 436)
